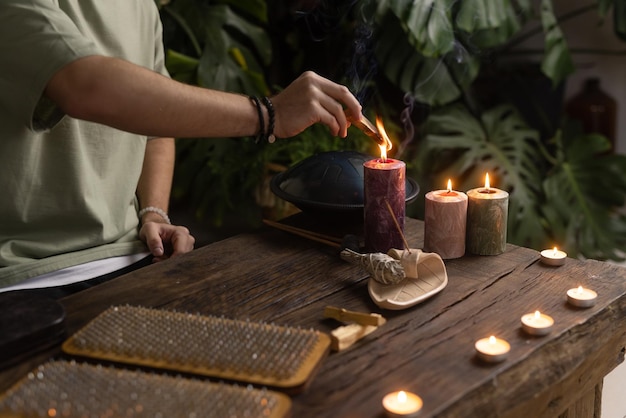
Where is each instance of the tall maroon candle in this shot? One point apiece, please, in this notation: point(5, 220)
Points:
point(384, 185)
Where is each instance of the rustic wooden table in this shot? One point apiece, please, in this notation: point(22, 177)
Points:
point(428, 349)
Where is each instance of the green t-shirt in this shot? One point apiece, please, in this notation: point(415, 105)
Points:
point(67, 186)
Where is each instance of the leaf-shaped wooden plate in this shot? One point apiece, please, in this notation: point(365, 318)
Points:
point(431, 279)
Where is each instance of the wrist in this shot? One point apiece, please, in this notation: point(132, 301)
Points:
point(266, 119)
point(153, 214)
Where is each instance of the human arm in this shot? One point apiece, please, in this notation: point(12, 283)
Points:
point(153, 190)
point(117, 93)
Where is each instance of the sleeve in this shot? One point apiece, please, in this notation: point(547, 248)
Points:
point(159, 53)
point(36, 40)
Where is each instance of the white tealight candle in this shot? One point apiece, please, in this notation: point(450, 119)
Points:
point(537, 323)
point(492, 349)
point(553, 257)
point(402, 404)
point(581, 297)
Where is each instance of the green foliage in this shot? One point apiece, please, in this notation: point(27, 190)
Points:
point(583, 190)
point(570, 198)
point(557, 63)
point(499, 143)
point(565, 191)
point(435, 48)
point(225, 45)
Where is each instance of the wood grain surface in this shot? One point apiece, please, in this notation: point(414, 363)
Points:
point(428, 349)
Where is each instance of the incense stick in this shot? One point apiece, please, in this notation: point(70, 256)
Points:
point(315, 236)
point(395, 221)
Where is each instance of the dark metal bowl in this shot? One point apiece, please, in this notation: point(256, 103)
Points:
point(328, 182)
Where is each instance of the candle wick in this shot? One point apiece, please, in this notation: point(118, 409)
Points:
point(395, 221)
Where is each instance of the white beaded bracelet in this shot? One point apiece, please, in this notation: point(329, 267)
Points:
point(156, 210)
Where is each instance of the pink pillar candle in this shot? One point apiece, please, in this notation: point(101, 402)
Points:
point(445, 214)
point(384, 184)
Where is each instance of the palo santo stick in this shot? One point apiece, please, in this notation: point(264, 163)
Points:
point(366, 127)
point(315, 236)
point(395, 221)
point(343, 337)
point(360, 318)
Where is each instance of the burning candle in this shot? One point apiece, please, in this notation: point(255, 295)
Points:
point(445, 215)
point(402, 404)
point(537, 323)
point(581, 297)
point(553, 257)
point(385, 199)
point(492, 349)
point(487, 214)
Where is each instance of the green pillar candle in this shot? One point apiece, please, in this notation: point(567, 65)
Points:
point(487, 213)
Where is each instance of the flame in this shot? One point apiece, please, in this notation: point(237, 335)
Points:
point(402, 396)
point(383, 152)
point(449, 186)
point(492, 340)
point(487, 186)
point(388, 145)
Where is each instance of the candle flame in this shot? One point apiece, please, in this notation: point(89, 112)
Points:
point(487, 186)
point(492, 340)
point(402, 396)
point(555, 250)
point(580, 290)
point(537, 314)
point(449, 186)
point(383, 153)
point(388, 145)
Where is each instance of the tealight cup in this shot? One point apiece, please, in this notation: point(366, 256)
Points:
point(492, 349)
point(581, 297)
point(553, 257)
point(537, 323)
point(402, 404)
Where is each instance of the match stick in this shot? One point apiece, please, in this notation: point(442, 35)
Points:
point(395, 221)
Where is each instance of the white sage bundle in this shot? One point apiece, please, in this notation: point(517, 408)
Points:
point(381, 267)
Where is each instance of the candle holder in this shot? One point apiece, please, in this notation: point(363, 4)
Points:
point(581, 297)
point(492, 349)
point(402, 404)
point(553, 257)
point(537, 324)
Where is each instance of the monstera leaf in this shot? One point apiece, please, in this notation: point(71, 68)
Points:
point(499, 143)
point(582, 191)
point(557, 62)
point(229, 46)
point(489, 23)
point(434, 71)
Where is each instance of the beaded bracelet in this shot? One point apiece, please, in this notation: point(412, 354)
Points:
point(261, 133)
point(270, 111)
point(156, 210)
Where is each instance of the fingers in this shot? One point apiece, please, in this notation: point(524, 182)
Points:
point(164, 240)
point(311, 99)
